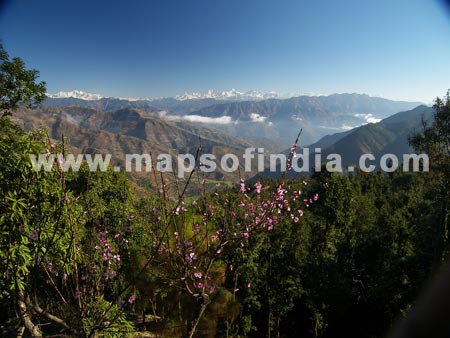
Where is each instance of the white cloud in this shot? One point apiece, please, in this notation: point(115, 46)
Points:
point(257, 118)
point(71, 119)
point(342, 127)
point(347, 127)
point(369, 118)
point(196, 118)
point(206, 119)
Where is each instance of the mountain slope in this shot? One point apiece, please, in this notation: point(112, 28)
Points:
point(130, 131)
point(389, 136)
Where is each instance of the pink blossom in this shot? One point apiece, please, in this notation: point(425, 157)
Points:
point(242, 186)
point(258, 187)
point(251, 207)
point(131, 299)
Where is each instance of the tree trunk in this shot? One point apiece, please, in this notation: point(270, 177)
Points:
point(20, 331)
point(202, 303)
point(34, 330)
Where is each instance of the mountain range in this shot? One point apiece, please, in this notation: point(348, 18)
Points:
point(173, 126)
point(316, 115)
point(231, 94)
point(276, 119)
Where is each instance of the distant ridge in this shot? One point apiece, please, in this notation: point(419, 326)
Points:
point(277, 119)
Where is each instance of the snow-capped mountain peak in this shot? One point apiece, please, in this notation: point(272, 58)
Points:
point(77, 94)
point(231, 94)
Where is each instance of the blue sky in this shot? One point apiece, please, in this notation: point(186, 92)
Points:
point(152, 48)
